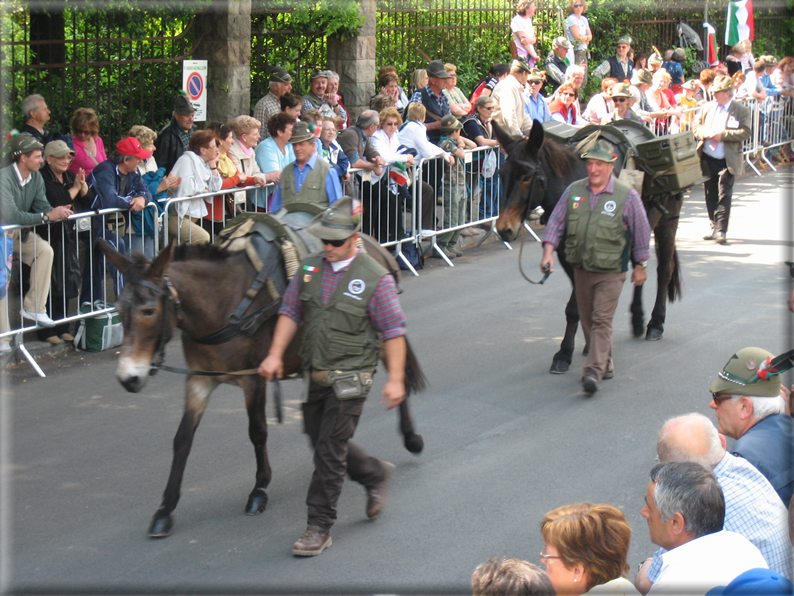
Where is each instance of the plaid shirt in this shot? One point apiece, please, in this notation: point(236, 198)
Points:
point(634, 218)
point(184, 136)
point(266, 107)
point(385, 312)
point(752, 509)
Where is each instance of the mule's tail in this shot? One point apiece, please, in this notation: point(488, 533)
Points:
point(415, 380)
point(674, 287)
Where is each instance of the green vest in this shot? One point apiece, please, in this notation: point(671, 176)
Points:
point(596, 239)
point(313, 189)
point(339, 335)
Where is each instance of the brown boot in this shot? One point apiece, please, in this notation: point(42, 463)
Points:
point(312, 543)
point(376, 495)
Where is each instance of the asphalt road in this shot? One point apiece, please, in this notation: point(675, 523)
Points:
point(85, 462)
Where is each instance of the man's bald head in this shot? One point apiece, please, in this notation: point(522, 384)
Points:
point(691, 437)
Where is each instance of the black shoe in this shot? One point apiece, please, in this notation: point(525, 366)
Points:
point(589, 384)
point(709, 236)
point(719, 238)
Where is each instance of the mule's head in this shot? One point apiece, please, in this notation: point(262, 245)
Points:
point(517, 174)
point(144, 307)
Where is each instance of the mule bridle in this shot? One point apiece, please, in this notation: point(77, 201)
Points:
point(537, 179)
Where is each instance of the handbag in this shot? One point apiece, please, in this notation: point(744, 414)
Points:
point(489, 165)
point(100, 332)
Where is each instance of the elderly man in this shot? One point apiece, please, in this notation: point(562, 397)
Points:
point(435, 101)
point(117, 183)
point(752, 508)
point(270, 105)
point(174, 138)
point(556, 62)
point(312, 179)
point(508, 97)
point(339, 365)
point(23, 201)
point(720, 128)
point(318, 99)
point(359, 152)
point(36, 114)
point(619, 66)
point(685, 509)
point(749, 408)
point(599, 251)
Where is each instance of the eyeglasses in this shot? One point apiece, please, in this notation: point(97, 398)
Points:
point(536, 82)
point(546, 557)
point(568, 94)
point(334, 243)
point(578, 5)
point(718, 399)
point(486, 107)
point(619, 99)
point(83, 132)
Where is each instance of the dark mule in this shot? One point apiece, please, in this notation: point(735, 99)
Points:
point(536, 173)
point(195, 288)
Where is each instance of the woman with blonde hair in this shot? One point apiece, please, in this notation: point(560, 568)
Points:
point(586, 550)
point(524, 32)
point(243, 155)
point(419, 80)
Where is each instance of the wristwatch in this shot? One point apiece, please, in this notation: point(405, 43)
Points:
point(45, 218)
point(642, 264)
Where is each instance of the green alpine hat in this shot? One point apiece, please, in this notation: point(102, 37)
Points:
point(338, 222)
point(450, 124)
point(301, 132)
point(22, 143)
point(746, 374)
point(602, 151)
point(625, 39)
point(279, 74)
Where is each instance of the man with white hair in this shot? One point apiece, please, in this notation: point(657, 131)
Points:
point(557, 62)
point(508, 95)
point(749, 408)
point(752, 507)
point(685, 509)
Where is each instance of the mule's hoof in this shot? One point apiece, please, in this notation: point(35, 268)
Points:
point(586, 351)
point(637, 329)
point(161, 525)
point(257, 502)
point(414, 443)
point(654, 334)
point(559, 367)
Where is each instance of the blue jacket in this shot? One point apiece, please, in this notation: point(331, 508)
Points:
point(769, 446)
point(105, 181)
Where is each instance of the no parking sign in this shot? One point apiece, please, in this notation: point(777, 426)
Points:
point(194, 82)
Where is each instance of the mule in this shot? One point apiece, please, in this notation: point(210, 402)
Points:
point(535, 173)
point(195, 288)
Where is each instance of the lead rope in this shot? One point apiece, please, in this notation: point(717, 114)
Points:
point(521, 248)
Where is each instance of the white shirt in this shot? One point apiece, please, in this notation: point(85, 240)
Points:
point(388, 150)
point(718, 122)
point(22, 181)
point(509, 112)
point(704, 563)
point(196, 178)
point(524, 25)
point(414, 135)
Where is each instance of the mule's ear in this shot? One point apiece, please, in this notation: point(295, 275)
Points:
point(118, 260)
point(506, 140)
point(161, 261)
point(536, 136)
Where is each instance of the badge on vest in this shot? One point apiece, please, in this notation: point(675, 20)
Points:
point(609, 208)
point(355, 287)
point(310, 268)
point(576, 201)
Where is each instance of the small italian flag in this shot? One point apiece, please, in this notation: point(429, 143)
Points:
point(399, 173)
point(740, 24)
point(711, 45)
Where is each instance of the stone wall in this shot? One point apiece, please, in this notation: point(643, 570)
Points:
point(226, 44)
point(354, 60)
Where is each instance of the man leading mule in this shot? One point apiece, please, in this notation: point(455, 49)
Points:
point(347, 301)
point(605, 223)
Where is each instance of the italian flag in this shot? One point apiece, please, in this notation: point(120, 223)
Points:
point(711, 45)
point(740, 24)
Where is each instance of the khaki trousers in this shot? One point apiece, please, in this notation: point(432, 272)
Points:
point(37, 253)
point(597, 296)
point(185, 231)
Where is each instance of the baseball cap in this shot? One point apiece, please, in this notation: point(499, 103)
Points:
point(57, 149)
point(132, 146)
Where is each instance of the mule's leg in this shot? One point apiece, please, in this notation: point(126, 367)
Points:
point(637, 314)
point(413, 442)
point(561, 361)
point(197, 393)
point(255, 398)
point(667, 266)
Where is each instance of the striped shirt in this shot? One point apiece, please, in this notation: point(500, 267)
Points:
point(384, 310)
point(634, 218)
point(752, 509)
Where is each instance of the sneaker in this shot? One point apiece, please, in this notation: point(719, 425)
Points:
point(41, 318)
point(312, 543)
point(376, 495)
point(719, 238)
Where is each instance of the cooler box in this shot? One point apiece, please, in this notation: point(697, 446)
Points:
point(559, 132)
point(674, 161)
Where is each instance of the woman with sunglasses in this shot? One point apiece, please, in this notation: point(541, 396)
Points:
point(586, 550)
point(89, 149)
point(621, 95)
point(563, 109)
point(578, 32)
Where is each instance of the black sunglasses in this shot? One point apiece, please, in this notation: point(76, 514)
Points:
point(334, 243)
point(619, 99)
